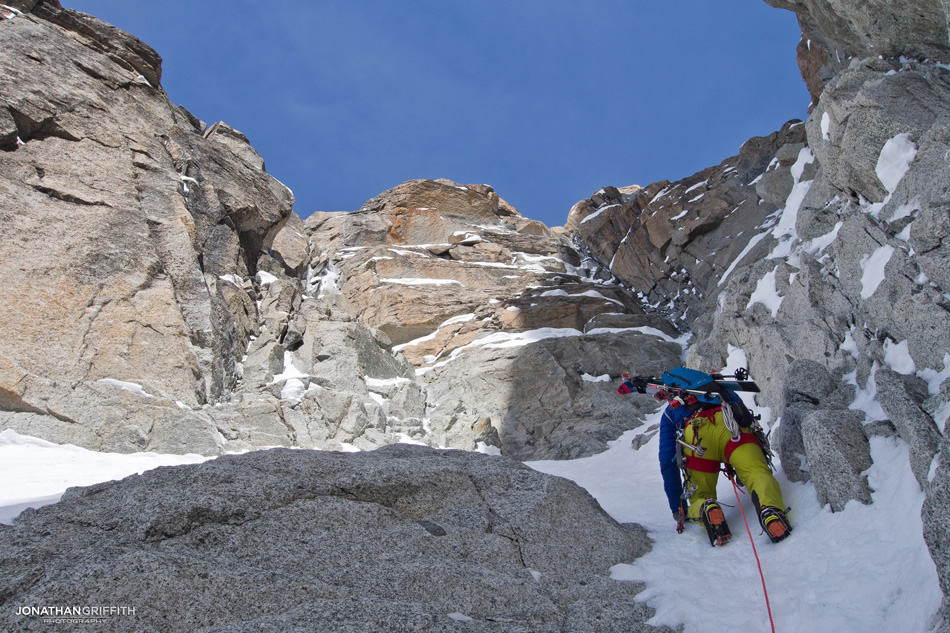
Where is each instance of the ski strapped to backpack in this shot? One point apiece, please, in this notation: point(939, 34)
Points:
point(696, 390)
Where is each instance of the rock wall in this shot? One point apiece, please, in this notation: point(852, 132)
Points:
point(162, 295)
point(505, 332)
point(120, 216)
point(673, 243)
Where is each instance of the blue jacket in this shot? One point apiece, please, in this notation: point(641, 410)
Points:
point(673, 420)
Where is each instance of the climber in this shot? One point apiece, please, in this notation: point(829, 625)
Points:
point(706, 428)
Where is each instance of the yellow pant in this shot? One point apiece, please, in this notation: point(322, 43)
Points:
point(747, 459)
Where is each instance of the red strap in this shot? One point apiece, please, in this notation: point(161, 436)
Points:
point(701, 464)
point(744, 438)
point(709, 414)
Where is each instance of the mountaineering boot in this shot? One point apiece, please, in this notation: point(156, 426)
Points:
point(715, 523)
point(774, 523)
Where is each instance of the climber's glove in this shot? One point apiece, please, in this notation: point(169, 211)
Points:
point(631, 384)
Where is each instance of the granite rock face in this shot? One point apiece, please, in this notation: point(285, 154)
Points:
point(936, 516)
point(513, 333)
point(119, 221)
point(838, 453)
point(448, 540)
point(162, 295)
point(835, 32)
point(674, 242)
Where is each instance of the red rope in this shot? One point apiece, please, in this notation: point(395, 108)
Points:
point(757, 561)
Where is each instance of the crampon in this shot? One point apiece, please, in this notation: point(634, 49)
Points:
point(774, 523)
point(715, 523)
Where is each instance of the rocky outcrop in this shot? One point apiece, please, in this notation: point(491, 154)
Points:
point(510, 327)
point(834, 33)
point(936, 516)
point(838, 454)
point(448, 541)
point(674, 242)
point(120, 222)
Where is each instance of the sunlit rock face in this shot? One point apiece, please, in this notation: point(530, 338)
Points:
point(162, 295)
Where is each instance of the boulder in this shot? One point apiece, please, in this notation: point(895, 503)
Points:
point(914, 426)
point(402, 538)
point(936, 519)
point(789, 443)
point(838, 453)
point(808, 382)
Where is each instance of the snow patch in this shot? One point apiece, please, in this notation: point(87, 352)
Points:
point(487, 449)
point(468, 238)
point(849, 345)
point(459, 617)
point(817, 245)
point(785, 231)
point(462, 318)
point(748, 247)
point(905, 234)
point(873, 269)
point(34, 472)
point(603, 378)
point(866, 399)
point(131, 387)
point(293, 391)
point(265, 277)
point(696, 186)
point(767, 294)
point(934, 378)
point(290, 371)
point(895, 159)
point(381, 383)
point(598, 212)
point(906, 210)
point(232, 279)
point(825, 125)
point(898, 358)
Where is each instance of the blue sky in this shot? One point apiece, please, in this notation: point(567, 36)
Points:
point(545, 100)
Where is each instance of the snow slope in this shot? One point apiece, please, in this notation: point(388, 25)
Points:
point(34, 472)
point(864, 569)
